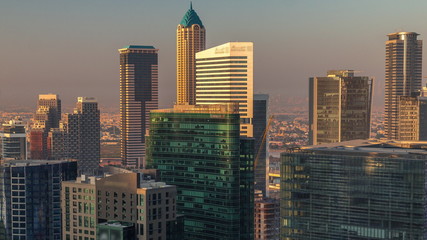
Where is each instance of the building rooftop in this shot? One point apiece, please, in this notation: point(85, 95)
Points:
point(226, 108)
point(380, 148)
point(190, 18)
point(48, 96)
point(23, 163)
point(139, 47)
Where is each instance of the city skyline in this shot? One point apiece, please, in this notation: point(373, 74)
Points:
point(285, 30)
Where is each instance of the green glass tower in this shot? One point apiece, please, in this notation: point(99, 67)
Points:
point(199, 149)
point(354, 190)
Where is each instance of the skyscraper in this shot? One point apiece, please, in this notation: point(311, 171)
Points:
point(139, 94)
point(199, 149)
point(47, 116)
point(261, 139)
point(190, 39)
point(83, 135)
point(339, 107)
point(403, 75)
point(225, 74)
point(31, 197)
point(14, 140)
point(354, 190)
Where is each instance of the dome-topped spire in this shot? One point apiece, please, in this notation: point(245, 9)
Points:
point(191, 18)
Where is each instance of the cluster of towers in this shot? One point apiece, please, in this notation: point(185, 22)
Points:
point(206, 144)
point(340, 104)
point(76, 136)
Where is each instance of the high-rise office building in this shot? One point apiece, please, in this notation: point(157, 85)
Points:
point(83, 135)
point(403, 75)
point(199, 149)
point(354, 190)
point(47, 116)
point(225, 74)
point(261, 141)
point(31, 197)
point(190, 39)
point(339, 107)
point(14, 140)
point(412, 117)
point(147, 207)
point(139, 94)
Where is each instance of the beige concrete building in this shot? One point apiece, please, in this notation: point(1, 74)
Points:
point(190, 39)
point(412, 118)
point(225, 74)
point(339, 107)
point(403, 75)
point(150, 206)
point(78, 204)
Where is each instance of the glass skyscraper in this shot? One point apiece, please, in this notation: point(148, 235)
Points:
point(354, 190)
point(339, 107)
point(199, 149)
point(30, 197)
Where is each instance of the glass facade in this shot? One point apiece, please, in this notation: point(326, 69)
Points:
point(31, 191)
point(202, 154)
point(353, 194)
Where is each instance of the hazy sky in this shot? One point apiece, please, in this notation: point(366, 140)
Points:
point(70, 47)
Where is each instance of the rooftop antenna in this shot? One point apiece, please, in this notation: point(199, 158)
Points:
point(191, 5)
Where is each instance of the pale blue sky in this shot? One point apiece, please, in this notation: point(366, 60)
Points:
point(70, 47)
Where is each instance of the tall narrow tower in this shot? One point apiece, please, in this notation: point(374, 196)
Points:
point(83, 135)
point(403, 74)
point(190, 39)
point(139, 94)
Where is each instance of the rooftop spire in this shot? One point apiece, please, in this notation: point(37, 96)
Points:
point(191, 18)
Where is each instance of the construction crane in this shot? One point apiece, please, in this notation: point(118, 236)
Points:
point(261, 141)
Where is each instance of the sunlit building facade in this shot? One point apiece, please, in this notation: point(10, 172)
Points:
point(199, 149)
point(47, 116)
point(190, 39)
point(139, 94)
point(339, 107)
point(403, 75)
point(225, 74)
point(412, 118)
point(354, 190)
point(13, 140)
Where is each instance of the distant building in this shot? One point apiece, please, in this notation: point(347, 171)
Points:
point(412, 118)
point(199, 149)
point(403, 75)
point(357, 189)
point(339, 107)
point(225, 74)
point(261, 142)
point(139, 94)
point(47, 116)
point(190, 39)
point(145, 208)
point(14, 140)
point(31, 197)
point(83, 135)
point(57, 145)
